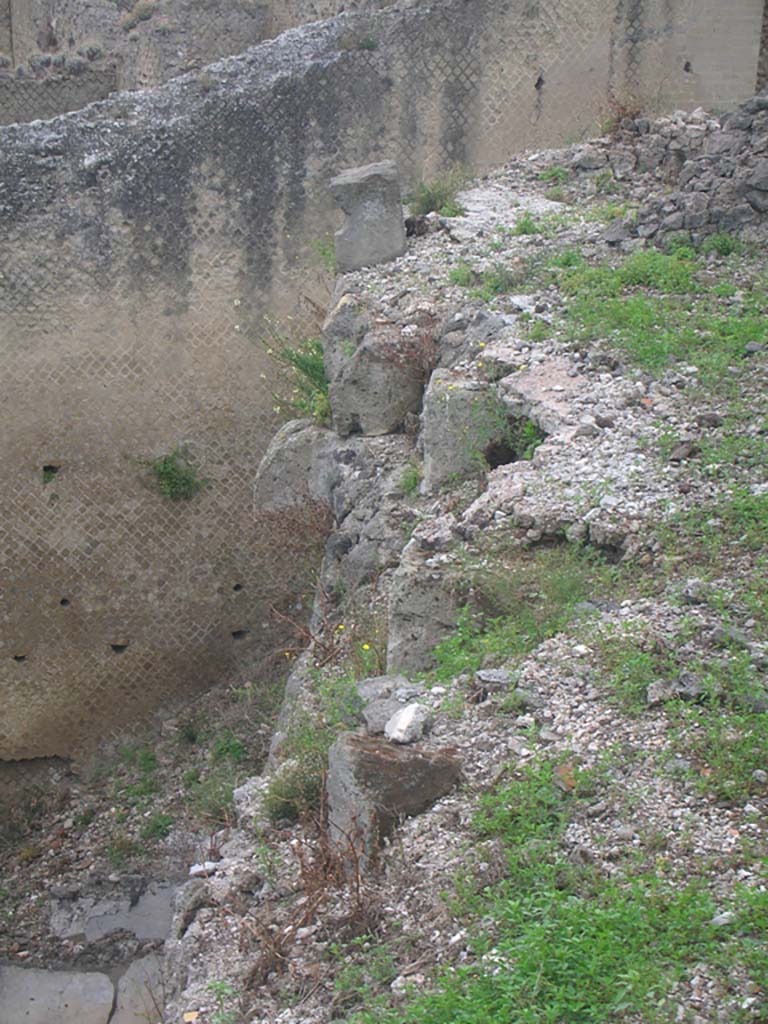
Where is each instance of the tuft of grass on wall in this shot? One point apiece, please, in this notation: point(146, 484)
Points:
point(176, 479)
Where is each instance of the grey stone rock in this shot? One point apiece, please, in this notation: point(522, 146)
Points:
point(375, 230)
point(373, 387)
point(758, 178)
point(618, 231)
point(709, 419)
point(683, 451)
point(378, 687)
point(145, 911)
point(685, 687)
point(423, 605)
point(344, 328)
point(721, 920)
point(727, 636)
point(373, 784)
point(298, 465)
point(32, 996)
point(494, 679)
point(378, 713)
point(139, 993)
point(408, 724)
point(458, 424)
point(589, 158)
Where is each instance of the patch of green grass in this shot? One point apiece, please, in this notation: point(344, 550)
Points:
point(487, 284)
point(297, 784)
point(462, 275)
point(142, 10)
point(547, 225)
point(438, 196)
point(499, 280)
point(227, 747)
point(652, 307)
point(411, 478)
point(526, 597)
point(605, 213)
point(560, 943)
point(554, 175)
point(739, 518)
point(629, 663)
point(158, 826)
point(722, 244)
point(539, 331)
point(306, 379)
point(325, 251)
point(175, 477)
point(566, 259)
point(527, 224)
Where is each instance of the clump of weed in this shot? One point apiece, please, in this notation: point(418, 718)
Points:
point(411, 478)
point(462, 275)
point(721, 244)
point(527, 224)
point(296, 786)
point(520, 598)
point(438, 196)
point(325, 251)
point(211, 798)
point(157, 827)
point(175, 477)
point(142, 10)
point(307, 381)
point(554, 175)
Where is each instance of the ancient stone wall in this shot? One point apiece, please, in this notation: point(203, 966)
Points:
point(6, 44)
point(144, 241)
point(131, 44)
point(49, 94)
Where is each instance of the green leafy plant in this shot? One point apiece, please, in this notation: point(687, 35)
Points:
point(175, 477)
point(605, 183)
point(227, 747)
point(224, 996)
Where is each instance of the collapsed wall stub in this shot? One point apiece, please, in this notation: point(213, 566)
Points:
point(145, 240)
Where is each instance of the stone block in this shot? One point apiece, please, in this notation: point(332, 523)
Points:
point(423, 605)
point(459, 421)
point(373, 784)
point(375, 229)
point(41, 997)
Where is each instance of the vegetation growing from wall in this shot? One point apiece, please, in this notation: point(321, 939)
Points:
point(176, 478)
